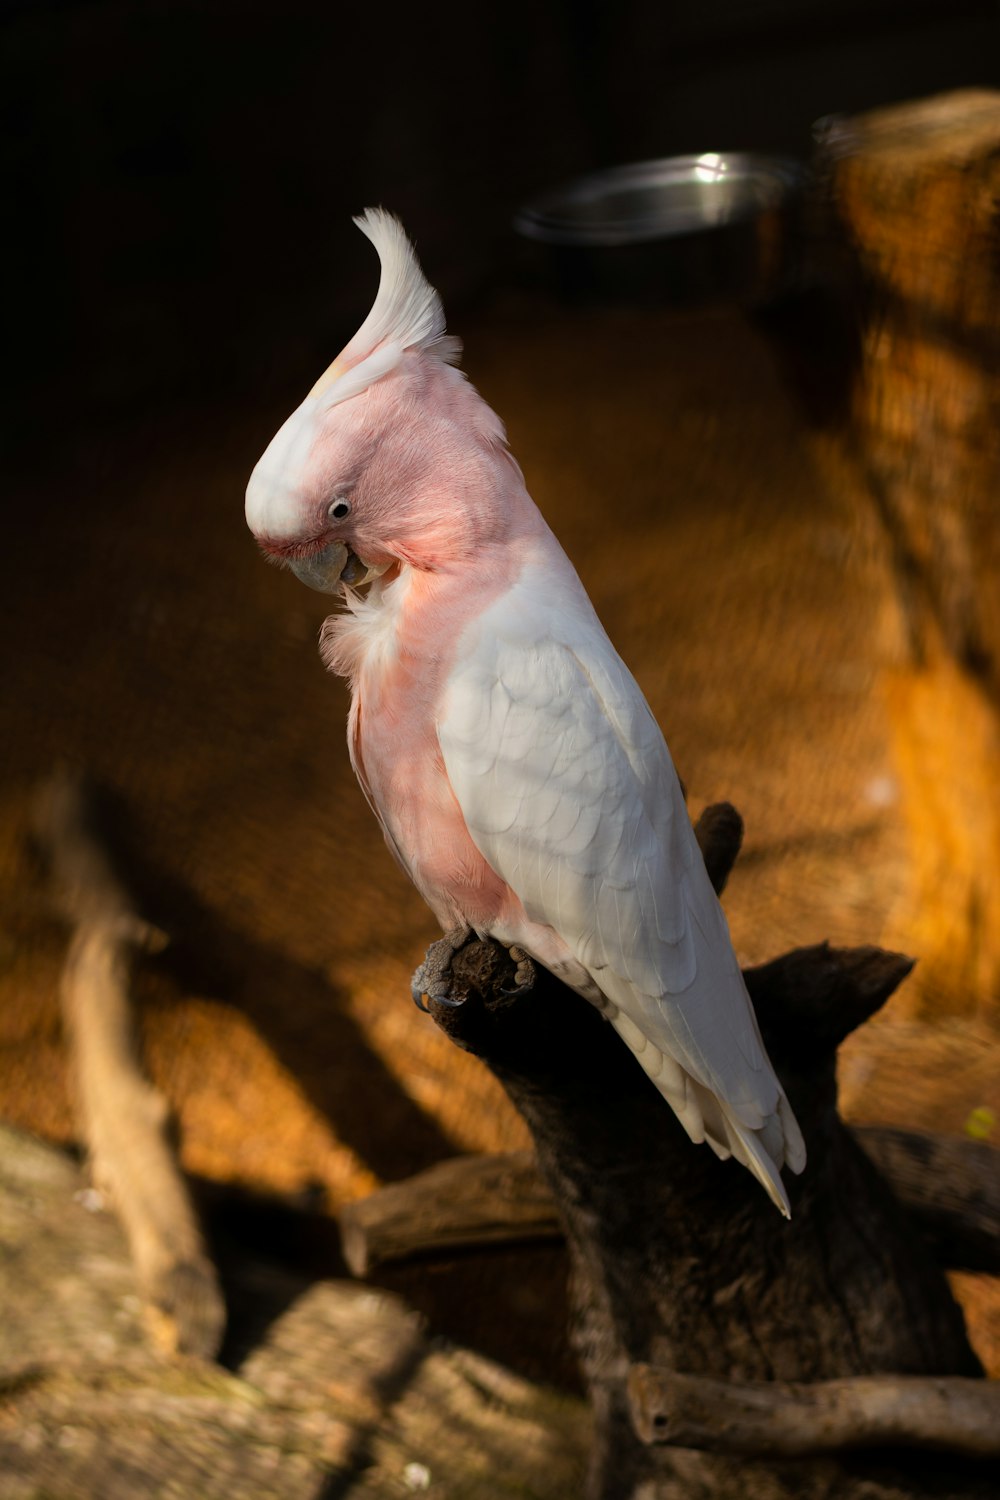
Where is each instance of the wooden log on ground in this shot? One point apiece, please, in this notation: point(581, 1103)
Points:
point(124, 1121)
point(679, 1260)
point(799, 1421)
point(914, 190)
point(950, 1189)
point(469, 1202)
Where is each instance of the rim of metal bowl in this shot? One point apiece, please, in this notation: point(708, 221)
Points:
point(559, 216)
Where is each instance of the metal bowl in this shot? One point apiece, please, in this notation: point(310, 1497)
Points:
point(685, 228)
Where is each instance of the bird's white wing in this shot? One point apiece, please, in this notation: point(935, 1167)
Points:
point(568, 791)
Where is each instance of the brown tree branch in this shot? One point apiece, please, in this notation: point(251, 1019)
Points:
point(779, 1419)
point(465, 1203)
point(719, 832)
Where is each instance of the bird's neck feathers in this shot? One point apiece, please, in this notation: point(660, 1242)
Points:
point(452, 487)
point(448, 503)
point(363, 639)
point(401, 635)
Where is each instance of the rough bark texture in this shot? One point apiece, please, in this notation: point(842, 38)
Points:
point(680, 1261)
point(915, 190)
point(331, 1389)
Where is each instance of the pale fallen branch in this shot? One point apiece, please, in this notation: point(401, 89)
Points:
point(124, 1120)
point(774, 1419)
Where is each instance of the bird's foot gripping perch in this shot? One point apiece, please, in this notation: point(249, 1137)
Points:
point(524, 972)
point(434, 977)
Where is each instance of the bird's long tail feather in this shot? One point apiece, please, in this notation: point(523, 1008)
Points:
point(763, 1151)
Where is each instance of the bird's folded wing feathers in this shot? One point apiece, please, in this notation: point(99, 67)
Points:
point(568, 791)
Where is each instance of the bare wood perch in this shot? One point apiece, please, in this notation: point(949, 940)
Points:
point(794, 1420)
point(124, 1120)
point(677, 1260)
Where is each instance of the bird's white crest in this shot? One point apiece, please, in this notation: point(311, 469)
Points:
point(406, 315)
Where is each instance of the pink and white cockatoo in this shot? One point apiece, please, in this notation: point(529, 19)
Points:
point(519, 776)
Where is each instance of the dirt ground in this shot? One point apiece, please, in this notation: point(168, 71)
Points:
point(145, 639)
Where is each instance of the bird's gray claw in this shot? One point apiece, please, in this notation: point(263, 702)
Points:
point(432, 991)
point(428, 985)
point(433, 979)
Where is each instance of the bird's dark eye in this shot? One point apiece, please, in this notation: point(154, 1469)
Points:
point(338, 509)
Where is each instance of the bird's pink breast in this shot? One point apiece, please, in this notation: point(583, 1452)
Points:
point(399, 678)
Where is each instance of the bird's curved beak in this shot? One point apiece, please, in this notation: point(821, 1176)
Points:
point(336, 565)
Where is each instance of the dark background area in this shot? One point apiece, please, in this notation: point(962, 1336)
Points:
point(180, 173)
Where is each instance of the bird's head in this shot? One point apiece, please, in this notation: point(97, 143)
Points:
point(364, 473)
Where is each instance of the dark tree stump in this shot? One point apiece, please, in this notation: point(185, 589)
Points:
point(679, 1261)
